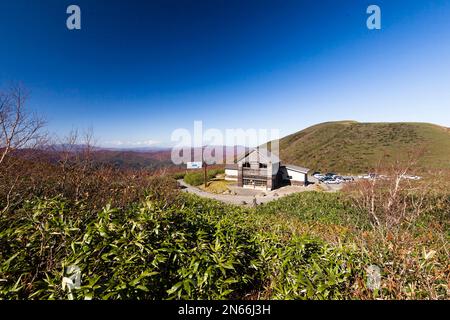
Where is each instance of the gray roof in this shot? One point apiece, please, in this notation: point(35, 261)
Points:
point(297, 168)
point(263, 152)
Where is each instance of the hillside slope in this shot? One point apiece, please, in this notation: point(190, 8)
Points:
point(353, 147)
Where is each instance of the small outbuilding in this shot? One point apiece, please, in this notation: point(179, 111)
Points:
point(261, 169)
point(295, 175)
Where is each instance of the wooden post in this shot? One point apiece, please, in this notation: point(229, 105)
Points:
point(205, 178)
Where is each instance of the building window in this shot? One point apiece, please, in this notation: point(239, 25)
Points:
point(255, 183)
point(260, 183)
point(246, 165)
point(263, 165)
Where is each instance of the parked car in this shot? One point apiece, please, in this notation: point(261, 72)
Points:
point(368, 176)
point(318, 175)
point(330, 175)
point(409, 177)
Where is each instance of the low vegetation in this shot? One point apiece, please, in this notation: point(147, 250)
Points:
point(191, 249)
point(412, 256)
point(217, 186)
point(172, 245)
point(196, 178)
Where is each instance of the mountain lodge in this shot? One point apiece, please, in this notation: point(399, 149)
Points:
point(261, 169)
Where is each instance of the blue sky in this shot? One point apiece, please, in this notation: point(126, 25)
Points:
point(137, 70)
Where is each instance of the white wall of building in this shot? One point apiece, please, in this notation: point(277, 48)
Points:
point(296, 176)
point(275, 167)
point(231, 174)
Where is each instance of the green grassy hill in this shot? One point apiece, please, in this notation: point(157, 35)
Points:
point(353, 147)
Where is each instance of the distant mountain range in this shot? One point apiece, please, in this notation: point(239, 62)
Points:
point(354, 147)
point(75, 147)
point(342, 146)
point(136, 149)
point(134, 158)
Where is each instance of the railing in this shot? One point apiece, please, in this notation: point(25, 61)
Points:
point(248, 172)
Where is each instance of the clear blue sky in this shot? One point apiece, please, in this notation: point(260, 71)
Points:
point(140, 69)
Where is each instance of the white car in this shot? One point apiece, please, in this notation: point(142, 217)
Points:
point(319, 176)
point(368, 176)
point(409, 177)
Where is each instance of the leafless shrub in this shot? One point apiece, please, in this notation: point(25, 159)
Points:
point(75, 159)
point(391, 198)
point(409, 221)
point(32, 166)
point(20, 130)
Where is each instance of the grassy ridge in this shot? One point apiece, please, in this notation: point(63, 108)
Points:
point(353, 147)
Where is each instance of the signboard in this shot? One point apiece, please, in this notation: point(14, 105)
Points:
point(194, 165)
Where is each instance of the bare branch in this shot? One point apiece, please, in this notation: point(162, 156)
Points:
point(19, 128)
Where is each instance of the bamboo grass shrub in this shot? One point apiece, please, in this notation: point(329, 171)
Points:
point(171, 245)
point(192, 249)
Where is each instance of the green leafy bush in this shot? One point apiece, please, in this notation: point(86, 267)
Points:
point(323, 207)
point(178, 175)
point(308, 269)
point(179, 246)
point(196, 178)
point(146, 252)
point(191, 249)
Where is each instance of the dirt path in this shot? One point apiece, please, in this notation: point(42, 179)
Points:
point(248, 197)
point(232, 199)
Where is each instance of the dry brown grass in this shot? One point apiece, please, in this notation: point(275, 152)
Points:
point(96, 186)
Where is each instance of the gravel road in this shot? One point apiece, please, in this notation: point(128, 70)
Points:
point(248, 196)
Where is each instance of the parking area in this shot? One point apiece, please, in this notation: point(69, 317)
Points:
point(336, 181)
point(331, 179)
